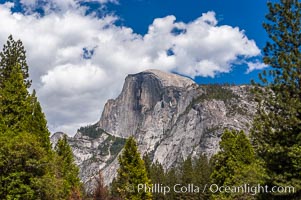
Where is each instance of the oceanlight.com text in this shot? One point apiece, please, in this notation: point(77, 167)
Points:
point(213, 188)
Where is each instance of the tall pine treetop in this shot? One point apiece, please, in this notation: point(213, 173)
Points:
point(14, 101)
point(69, 170)
point(276, 132)
point(131, 172)
point(29, 168)
point(13, 53)
point(283, 51)
point(236, 164)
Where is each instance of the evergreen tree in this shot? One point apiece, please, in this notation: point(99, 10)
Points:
point(38, 123)
point(157, 176)
point(148, 164)
point(29, 169)
point(20, 110)
point(171, 180)
point(15, 105)
point(23, 167)
point(236, 165)
point(69, 171)
point(202, 171)
point(187, 176)
point(194, 172)
point(131, 173)
point(13, 53)
point(276, 133)
point(190, 171)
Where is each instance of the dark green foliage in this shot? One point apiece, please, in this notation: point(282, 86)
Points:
point(20, 110)
point(236, 165)
point(111, 145)
point(20, 169)
point(171, 179)
point(13, 54)
point(114, 191)
point(194, 172)
point(29, 169)
point(92, 131)
point(216, 91)
point(157, 176)
point(276, 133)
point(131, 173)
point(202, 171)
point(15, 104)
point(187, 176)
point(117, 145)
point(38, 123)
point(148, 164)
point(69, 171)
point(188, 172)
point(104, 147)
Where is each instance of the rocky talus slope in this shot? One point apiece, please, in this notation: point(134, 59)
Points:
point(170, 116)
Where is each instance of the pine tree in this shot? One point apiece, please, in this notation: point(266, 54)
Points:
point(23, 163)
point(236, 165)
point(38, 123)
point(202, 171)
point(15, 105)
point(13, 54)
point(69, 171)
point(29, 169)
point(172, 179)
point(148, 164)
point(20, 110)
point(131, 173)
point(157, 176)
point(276, 133)
point(187, 177)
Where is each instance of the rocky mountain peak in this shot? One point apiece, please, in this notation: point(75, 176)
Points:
point(141, 94)
point(170, 116)
point(56, 137)
point(170, 79)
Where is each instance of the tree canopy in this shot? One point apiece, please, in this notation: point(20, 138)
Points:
point(13, 54)
point(276, 133)
point(29, 168)
point(131, 173)
point(236, 165)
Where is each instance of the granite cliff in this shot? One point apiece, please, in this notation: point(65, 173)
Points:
point(170, 116)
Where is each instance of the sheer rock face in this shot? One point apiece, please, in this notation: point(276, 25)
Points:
point(142, 94)
point(171, 118)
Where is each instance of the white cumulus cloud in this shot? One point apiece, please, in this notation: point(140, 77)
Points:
point(257, 65)
point(78, 61)
point(60, 6)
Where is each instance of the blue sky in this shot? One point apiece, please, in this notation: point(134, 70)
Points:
point(247, 15)
point(79, 51)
